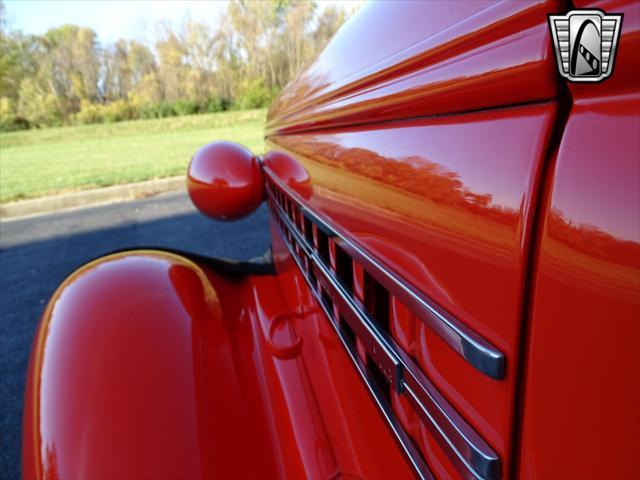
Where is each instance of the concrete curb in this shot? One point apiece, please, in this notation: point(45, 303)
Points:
point(115, 193)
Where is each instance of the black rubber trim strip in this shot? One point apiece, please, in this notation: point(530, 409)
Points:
point(257, 266)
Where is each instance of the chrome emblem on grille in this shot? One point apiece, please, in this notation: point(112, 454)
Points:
point(585, 44)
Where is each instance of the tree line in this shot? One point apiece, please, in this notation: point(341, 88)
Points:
point(67, 76)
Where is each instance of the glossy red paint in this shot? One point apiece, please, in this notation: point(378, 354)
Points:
point(456, 229)
point(581, 416)
point(147, 365)
point(363, 191)
point(582, 376)
point(225, 181)
point(580, 407)
point(435, 57)
point(290, 171)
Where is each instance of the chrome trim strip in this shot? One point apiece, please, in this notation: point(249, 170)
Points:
point(416, 461)
point(468, 451)
point(411, 452)
point(472, 454)
point(481, 354)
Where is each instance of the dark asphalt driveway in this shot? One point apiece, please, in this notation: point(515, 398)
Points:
point(36, 254)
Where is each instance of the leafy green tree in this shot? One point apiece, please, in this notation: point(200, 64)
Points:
point(125, 64)
point(18, 60)
point(66, 75)
point(69, 66)
point(37, 105)
point(328, 24)
point(172, 70)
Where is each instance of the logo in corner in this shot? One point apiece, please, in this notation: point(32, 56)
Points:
point(585, 43)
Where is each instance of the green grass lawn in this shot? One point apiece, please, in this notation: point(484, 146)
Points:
point(42, 162)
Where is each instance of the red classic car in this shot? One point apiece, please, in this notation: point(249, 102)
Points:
point(453, 289)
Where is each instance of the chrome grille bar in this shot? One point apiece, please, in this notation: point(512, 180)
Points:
point(402, 438)
point(483, 356)
point(468, 451)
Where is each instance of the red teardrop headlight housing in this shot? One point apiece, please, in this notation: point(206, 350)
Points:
point(225, 181)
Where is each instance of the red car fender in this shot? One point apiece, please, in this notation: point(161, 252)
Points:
point(114, 368)
point(148, 364)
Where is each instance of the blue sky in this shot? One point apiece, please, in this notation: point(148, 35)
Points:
point(110, 19)
point(113, 19)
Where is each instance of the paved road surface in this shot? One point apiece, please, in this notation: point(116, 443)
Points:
point(36, 254)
